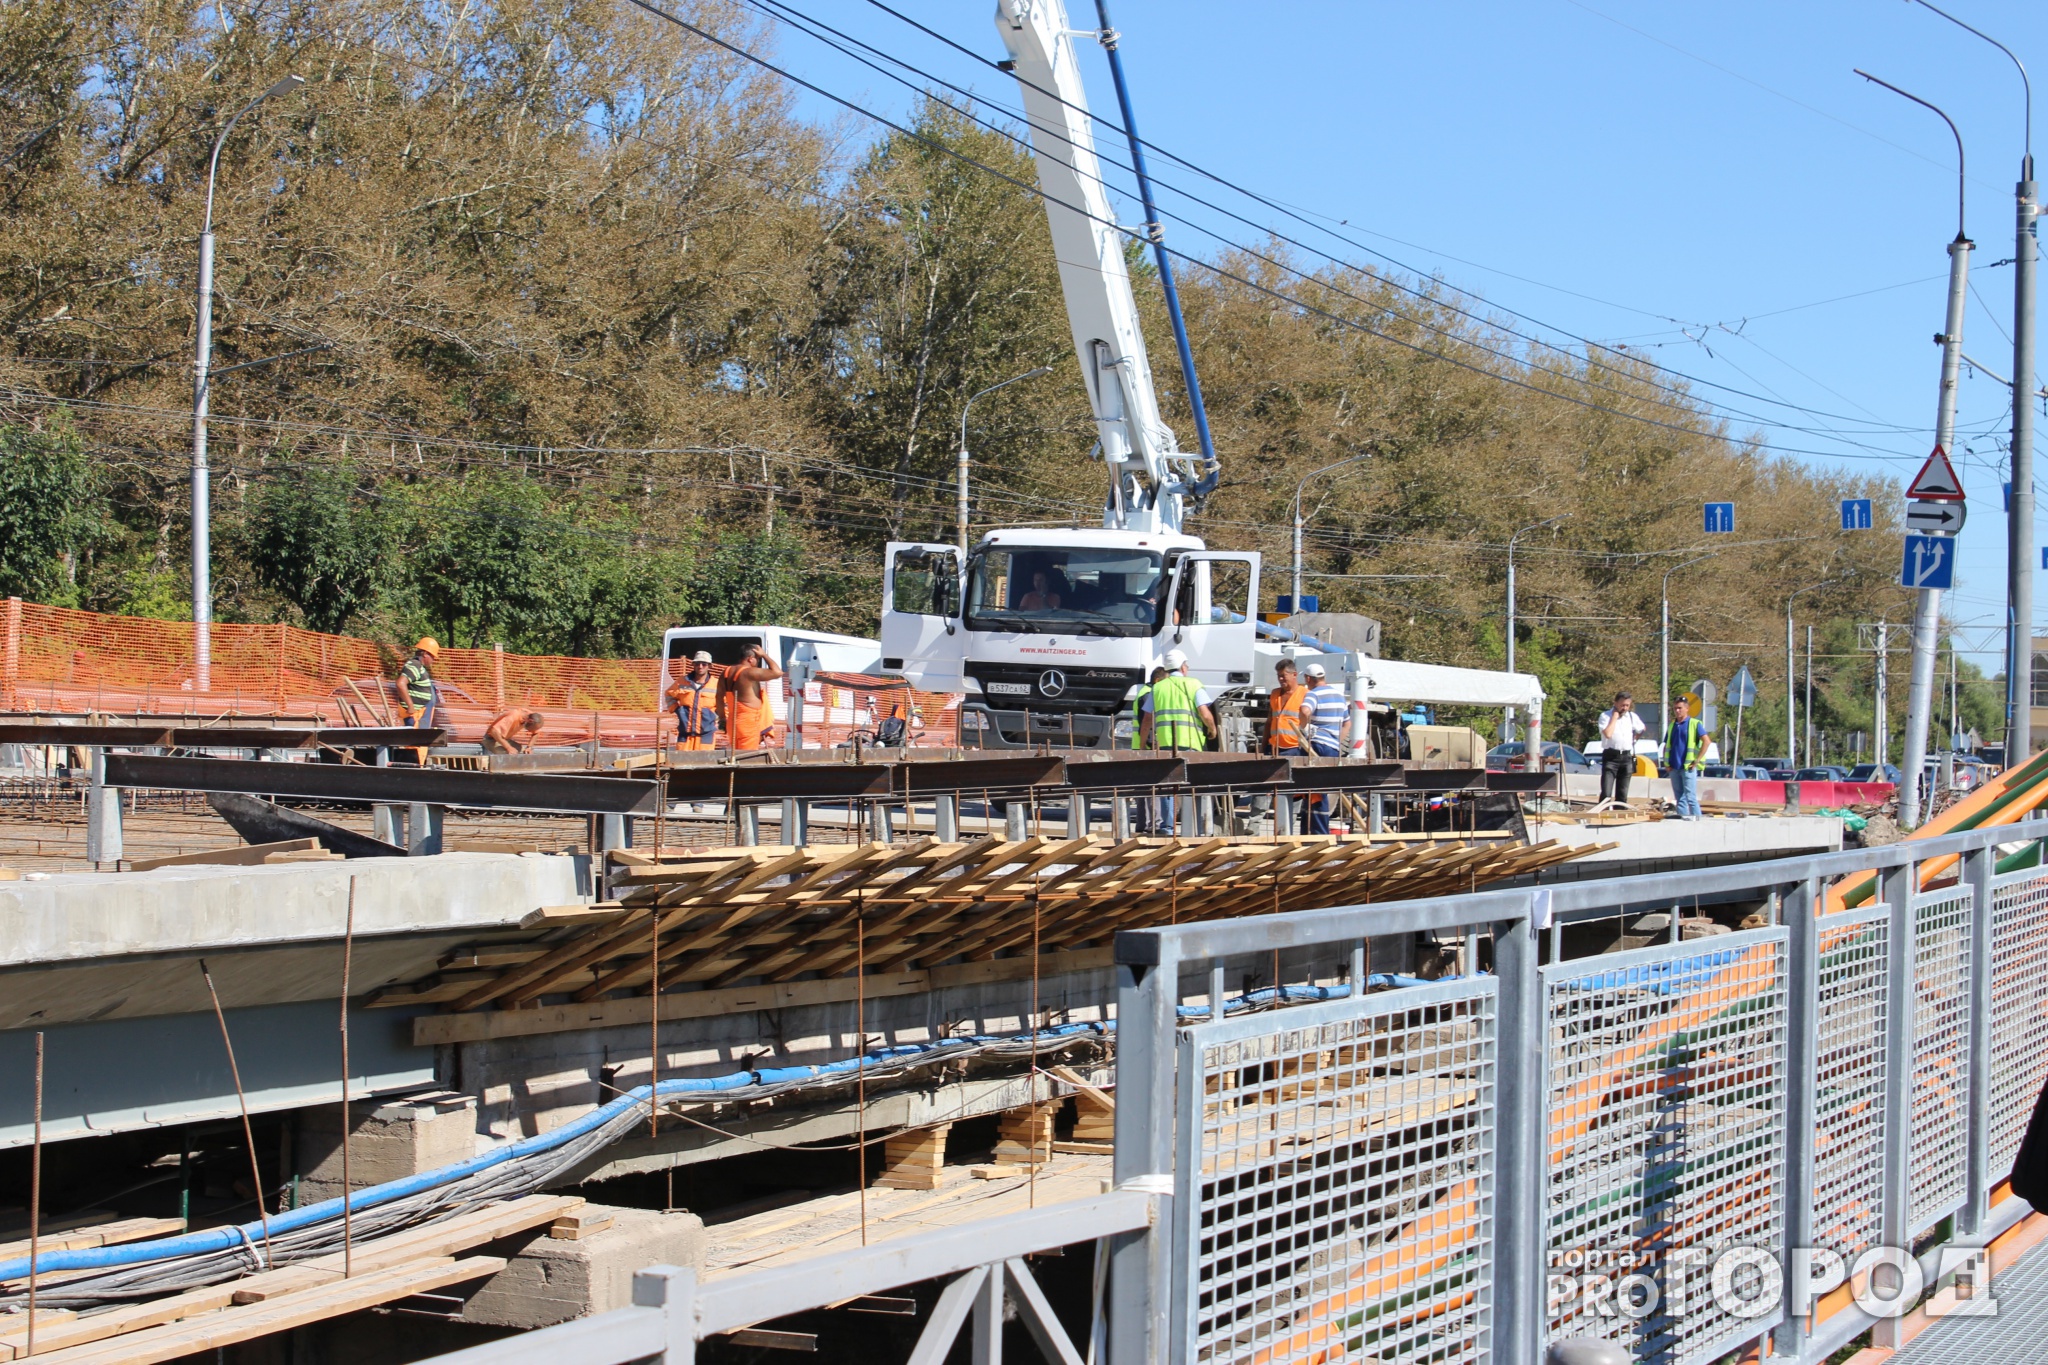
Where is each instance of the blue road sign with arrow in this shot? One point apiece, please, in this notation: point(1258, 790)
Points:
point(1720, 518)
point(1930, 563)
point(1855, 514)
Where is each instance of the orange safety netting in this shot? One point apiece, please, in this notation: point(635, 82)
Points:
point(55, 660)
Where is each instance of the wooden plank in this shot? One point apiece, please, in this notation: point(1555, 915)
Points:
point(106, 1234)
point(461, 1233)
point(247, 855)
point(549, 916)
point(212, 1331)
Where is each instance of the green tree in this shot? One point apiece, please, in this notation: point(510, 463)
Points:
point(487, 563)
point(50, 511)
point(321, 539)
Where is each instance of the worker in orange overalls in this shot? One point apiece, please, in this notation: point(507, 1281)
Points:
point(694, 698)
point(748, 721)
point(513, 732)
point(1283, 711)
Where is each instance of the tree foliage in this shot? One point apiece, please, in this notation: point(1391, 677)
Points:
point(573, 328)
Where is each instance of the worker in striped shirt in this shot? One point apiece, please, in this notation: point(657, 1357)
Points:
point(1323, 711)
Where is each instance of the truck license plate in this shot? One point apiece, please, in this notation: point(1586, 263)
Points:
point(1010, 689)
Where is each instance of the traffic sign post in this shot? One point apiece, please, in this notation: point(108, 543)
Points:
point(1928, 562)
point(1720, 518)
point(1855, 514)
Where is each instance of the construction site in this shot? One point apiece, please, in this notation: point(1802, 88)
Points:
point(1080, 951)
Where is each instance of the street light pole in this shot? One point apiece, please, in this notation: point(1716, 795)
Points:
point(960, 488)
point(2019, 536)
point(1664, 632)
point(202, 485)
point(1298, 520)
point(1927, 607)
point(1508, 716)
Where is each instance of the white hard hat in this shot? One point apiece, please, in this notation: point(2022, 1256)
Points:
point(1176, 658)
point(1315, 670)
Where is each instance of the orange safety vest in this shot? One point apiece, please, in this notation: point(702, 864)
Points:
point(1283, 724)
point(696, 707)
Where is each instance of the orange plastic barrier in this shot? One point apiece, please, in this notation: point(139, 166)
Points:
point(53, 659)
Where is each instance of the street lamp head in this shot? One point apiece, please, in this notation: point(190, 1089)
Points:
point(284, 87)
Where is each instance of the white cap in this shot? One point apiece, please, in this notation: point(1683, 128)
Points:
point(1315, 670)
point(1176, 658)
point(702, 656)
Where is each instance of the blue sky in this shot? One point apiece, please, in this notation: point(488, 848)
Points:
point(1709, 183)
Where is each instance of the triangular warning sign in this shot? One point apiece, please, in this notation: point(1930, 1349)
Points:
point(1936, 481)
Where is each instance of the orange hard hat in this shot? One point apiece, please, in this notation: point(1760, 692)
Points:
point(428, 646)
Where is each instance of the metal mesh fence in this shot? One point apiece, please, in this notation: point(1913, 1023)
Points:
point(1849, 1080)
point(1938, 1137)
point(1666, 1083)
point(1337, 1189)
point(2019, 1011)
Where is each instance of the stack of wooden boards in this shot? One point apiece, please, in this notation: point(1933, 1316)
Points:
point(727, 915)
point(379, 1271)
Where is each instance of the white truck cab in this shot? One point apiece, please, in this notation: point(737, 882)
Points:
point(1049, 632)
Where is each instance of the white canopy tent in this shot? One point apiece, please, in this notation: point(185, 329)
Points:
point(1400, 680)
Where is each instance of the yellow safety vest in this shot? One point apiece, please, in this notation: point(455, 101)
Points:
point(1176, 722)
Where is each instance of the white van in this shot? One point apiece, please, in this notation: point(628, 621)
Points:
point(728, 645)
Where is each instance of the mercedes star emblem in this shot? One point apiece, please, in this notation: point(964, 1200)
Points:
point(1052, 682)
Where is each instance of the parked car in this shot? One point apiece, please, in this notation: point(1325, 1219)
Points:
point(1780, 769)
point(1875, 772)
point(1827, 772)
point(1747, 771)
point(1513, 757)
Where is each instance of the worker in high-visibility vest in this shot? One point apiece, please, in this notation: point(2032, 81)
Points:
point(1176, 710)
point(694, 698)
point(1284, 707)
point(1176, 716)
point(416, 683)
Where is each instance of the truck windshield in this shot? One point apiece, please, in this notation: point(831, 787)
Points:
point(1051, 589)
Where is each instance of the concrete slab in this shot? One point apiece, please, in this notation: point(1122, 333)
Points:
point(1714, 840)
point(92, 946)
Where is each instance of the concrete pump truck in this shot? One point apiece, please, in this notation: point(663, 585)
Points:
point(1049, 632)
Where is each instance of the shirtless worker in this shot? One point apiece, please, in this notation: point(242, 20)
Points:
point(747, 718)
point(513, 732)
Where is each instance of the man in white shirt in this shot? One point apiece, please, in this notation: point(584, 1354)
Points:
point(1620, 727)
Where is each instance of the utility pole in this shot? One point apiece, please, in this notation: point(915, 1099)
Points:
point(1507, 723)
point(1808, 762)
point(1664, 633)
point(1791, 676)
point(1927, 606)
point(2019, 533)
point(1880, 728)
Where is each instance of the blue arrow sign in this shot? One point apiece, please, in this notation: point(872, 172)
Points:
point(1720, 518)
point(1855, 514)
point(1930, 563)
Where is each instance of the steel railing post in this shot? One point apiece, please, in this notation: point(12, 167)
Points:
point(1519, 1145)
point(1142, 1279)
point(1802, 1017)
point(1896, 889)
point(672, 1290)
point(1979, 867)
